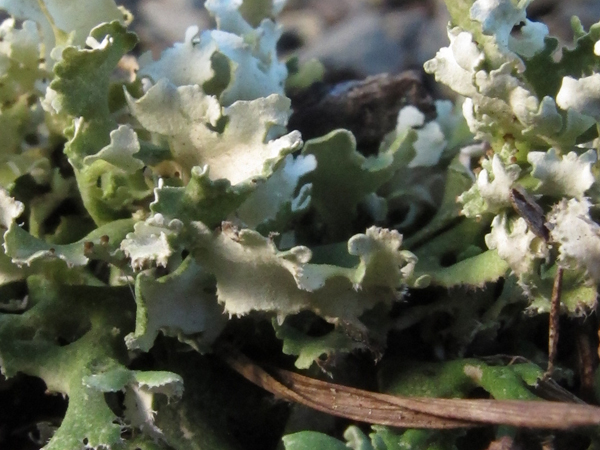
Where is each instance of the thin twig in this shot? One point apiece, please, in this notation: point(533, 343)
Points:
point(411, 412)
point(554, 321)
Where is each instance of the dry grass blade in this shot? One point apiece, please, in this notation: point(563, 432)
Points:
point(412, 412)
point(342, 402)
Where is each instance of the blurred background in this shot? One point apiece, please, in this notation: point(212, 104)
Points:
point(352, 38)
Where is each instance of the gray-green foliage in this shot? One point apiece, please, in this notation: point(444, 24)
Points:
point(187, 192)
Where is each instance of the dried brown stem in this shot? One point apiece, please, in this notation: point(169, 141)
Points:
point(554, 321)
point(411, 412)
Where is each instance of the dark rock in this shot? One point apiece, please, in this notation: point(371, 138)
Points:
point(369, 108)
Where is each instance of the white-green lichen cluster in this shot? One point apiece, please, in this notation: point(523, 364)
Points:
point(183, 180)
